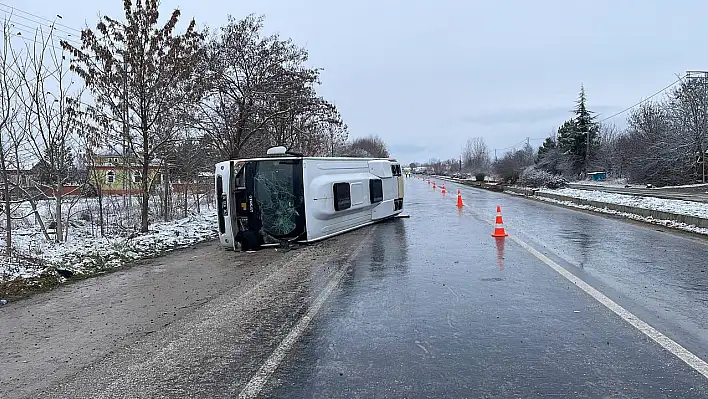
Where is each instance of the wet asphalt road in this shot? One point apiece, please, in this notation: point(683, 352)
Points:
point(429, 306)
point(435, 307)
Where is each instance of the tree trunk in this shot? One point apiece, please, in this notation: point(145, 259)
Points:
point(166, 190)
point(58, 196)
point(145, 205)
point(8, 219)
point(186, 189)
point(99, 193)
point(6, 200)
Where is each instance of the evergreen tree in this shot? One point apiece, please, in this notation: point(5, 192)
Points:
point(573, 136)
point(567, 137)
point(547, 146)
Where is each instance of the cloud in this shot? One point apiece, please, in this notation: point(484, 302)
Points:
point(414, 153)
point(407, 148)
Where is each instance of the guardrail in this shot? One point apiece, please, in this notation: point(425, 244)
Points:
point(472, 183)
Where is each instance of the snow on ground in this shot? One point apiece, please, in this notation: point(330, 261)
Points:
point(667, 223)
point(621, 183)
point(606, 183)
point(683, 186)
point(689, 208)
point(86, 254)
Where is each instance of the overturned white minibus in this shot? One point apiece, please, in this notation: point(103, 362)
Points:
point(286, 197)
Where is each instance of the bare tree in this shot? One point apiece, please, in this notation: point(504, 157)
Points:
point(191, 159)
point(314, 129)
point(373, 146)
point(10, 86)
point(140, 72)
point(435, 165)
point(655, 148)
point(607, 157)
point(255, 87)
point(90, 139)
point(510, 166)
point(336, 139)
point(688, 111)
point(50, 105)
point(95, 180)
point(475, 156)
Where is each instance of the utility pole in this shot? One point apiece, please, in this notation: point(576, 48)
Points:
point(587, 150)
point(702, 78)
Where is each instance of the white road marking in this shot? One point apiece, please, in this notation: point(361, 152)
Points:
point(258, 381)
point(665, 342)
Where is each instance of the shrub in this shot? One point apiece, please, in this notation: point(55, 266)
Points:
point(479, 176)
point(536, 178)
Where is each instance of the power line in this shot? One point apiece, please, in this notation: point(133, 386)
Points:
point(33, 30)
point(28, 40)
point(519, 143)
point(10, 15)
point(511, 146)
point(37, 16)
point(641, 102)
point(611, 116)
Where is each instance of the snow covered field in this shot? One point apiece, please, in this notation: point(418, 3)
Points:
point(689, 208)
point(86, 254)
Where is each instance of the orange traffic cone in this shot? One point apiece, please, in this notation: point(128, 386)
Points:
point(443, 189)
point(459, 199)
point(433, 185)
point(428, 181)
point(499, 227)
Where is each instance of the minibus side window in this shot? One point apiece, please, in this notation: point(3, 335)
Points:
point(376, 190)
point(342, 196)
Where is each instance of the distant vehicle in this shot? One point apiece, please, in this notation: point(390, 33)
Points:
point(286, 197)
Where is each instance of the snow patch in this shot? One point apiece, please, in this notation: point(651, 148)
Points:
point(683, 186)
point(86, 254)
point(621, 182)
point(662, 222)
point(689, 208)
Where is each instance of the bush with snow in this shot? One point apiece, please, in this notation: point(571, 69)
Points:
point(537, 178)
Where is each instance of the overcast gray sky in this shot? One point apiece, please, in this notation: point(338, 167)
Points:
point(427, 75)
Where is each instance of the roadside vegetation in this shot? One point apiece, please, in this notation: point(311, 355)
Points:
point(664, 143)
point(109, 134)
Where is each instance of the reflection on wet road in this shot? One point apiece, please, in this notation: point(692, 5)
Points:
point(436, 307)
